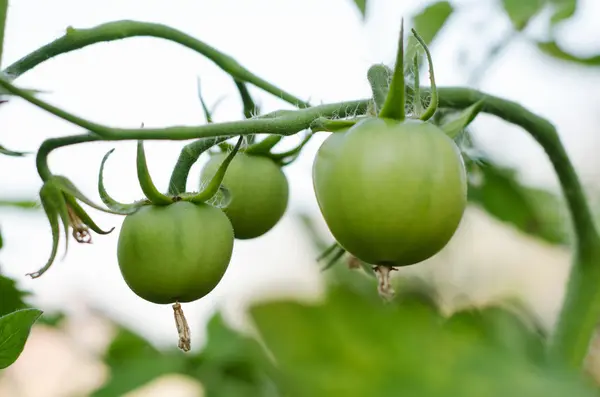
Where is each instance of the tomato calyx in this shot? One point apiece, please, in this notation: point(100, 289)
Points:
point(154, 196)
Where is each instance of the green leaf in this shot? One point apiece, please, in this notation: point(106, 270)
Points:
point(362, 7)
point(533, 211)
point(351, 346)
point(134, 362)
point(136, 372)
point(11, 297)
point(427, 23)
point(14, 331)
point(227, 367)
point(553, 49)
point(521, 11)
point(9, 152)
point(563, 9)
point(455, 124)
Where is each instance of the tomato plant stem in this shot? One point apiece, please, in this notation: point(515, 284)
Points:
point(76, 39)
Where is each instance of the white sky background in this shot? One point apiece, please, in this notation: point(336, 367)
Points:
point(314, 49)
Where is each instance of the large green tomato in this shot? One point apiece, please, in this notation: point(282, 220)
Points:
point(392, 193)
point(259, 192)
point(177, 252)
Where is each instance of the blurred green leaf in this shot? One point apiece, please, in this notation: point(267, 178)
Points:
point(563, 9)
point(362, 7)
point(427, 23)
point(134, 362)
point(553, 49)
point(135, 372)
point(52, 319)
point(226, 365)
point(521, 11)
point(14, 331)
point(11, 297)
point(533, 211)
point(351, 345)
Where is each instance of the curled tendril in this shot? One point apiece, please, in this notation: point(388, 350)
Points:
point(114, 205)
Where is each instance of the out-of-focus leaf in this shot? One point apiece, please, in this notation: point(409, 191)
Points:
point(14, 331)
point(135, 372)
point(9, 152)
point(521, 11)
point(553, 49)
point(351, 345)
point(52, 319)
point(533, 211)
point(11, 297)
point(133, 362)
point(427, 23)
point(226, 365)
point(362, 7)
point(563, 9)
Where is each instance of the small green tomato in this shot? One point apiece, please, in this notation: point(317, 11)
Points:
point(259, 192)
point(174, 253)
point(392, 193)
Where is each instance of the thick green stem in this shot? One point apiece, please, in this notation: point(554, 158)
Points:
point(76, 39)
point(288, 123)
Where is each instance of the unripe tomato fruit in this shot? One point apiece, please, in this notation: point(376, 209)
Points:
point(259, 192)
point(392, 193)
point(178, 252)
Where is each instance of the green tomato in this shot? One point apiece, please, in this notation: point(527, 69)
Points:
point(259, 192)
point(174, 253)
point(392, 193)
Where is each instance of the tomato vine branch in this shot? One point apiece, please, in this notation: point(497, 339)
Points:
point(76, 39)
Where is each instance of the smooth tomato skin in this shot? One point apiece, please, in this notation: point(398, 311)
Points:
point(259, 192)
point(391, 192)
point(177, 252)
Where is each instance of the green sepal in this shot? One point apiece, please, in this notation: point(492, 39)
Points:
point(207, 112)
point(213, 187)
point(379, 76)
point(264, 146)
point(458, 123)
point(114, 205)
point(8, 152)
point(84, 216)
point(395, 101)
point(433, 103)
point(69, 188)
point(294, 152)
point(329, 125)
point(327, 251)
point(148, 187)
point(250, 107)
point(53, 202)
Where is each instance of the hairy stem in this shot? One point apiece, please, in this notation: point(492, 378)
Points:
point(76, 39)
point(288, 123)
